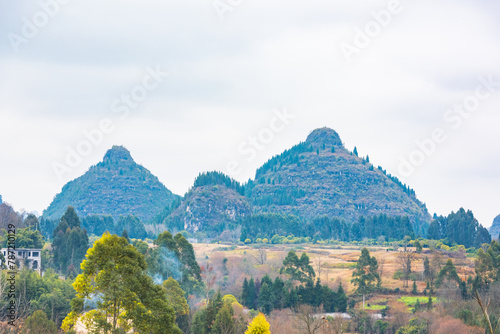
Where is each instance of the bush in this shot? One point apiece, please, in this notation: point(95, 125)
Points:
point(398, 274)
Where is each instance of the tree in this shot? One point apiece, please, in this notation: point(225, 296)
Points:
point(70, 242)
point(265, 300)
point(259, 325)
point(488, 263)
point(224, 322)
point(355, 151)
point(116, 271)
point(404, 258)
point(133, 226)
point(175, 296)
point(306, 316)
point(448, 271)
point(427, 269)
point(366, 275)
point(298, 269)
point(39, 323)
point(414, 288)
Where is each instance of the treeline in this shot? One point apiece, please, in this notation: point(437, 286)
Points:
point(218, 178)
point(459, 227)
point(267, 225)
point(97, 225)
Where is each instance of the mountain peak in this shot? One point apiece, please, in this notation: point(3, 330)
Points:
point(324, 136)
point(118, 154)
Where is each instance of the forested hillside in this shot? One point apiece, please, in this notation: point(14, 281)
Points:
point(116, 186)
point(321, 177)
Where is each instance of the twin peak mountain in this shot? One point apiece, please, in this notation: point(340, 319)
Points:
point(316, 177)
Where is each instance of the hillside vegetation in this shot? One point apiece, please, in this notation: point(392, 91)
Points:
point(116, 186)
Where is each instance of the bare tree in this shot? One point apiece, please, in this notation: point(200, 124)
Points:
point(336, 326)
point(404, 260)
point(308, 320)
point(381, 263)
point(484, 309)
point(209, 277)
point(261, 256)
point(319, 262)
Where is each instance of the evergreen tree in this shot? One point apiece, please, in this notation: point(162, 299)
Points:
point(414, 288)
point(265, 300)
point(70, 242)
point(366, 276)
point(298, 269)
point(244, 293)
point(125, 235)
point(278, 287)
point(355, 151)
point(251, 301)
point(448, 271)
point(427, 269)
point(341, 299)
point(224, 322)
point(213, 308)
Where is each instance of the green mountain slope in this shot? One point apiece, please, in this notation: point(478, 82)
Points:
point(214, 204)
point(116, 186)
point(320, 177)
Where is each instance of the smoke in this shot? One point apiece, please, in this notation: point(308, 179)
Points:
point(167, 265)
point(92, 301)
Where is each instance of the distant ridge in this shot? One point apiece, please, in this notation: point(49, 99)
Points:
point(116, 186)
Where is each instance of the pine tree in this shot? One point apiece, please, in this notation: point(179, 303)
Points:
point(427, 269)
point(414, 289)
point(252, 293)
point(355, 151)
point(341, 299)
point(125, 235)
point(244, 294)
point(265, 300)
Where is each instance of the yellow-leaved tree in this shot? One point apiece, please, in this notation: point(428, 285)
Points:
point(259, 325)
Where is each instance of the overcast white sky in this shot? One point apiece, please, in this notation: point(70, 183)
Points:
point(228, 76)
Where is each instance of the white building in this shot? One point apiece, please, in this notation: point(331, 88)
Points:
point(30, 256)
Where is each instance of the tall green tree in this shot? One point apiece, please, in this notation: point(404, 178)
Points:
point(116, 271)
point(366, 276)
point(298, 269)
point(70, 242)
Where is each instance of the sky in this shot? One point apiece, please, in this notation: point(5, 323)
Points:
point(191, 86)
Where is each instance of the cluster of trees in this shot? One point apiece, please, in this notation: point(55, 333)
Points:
point(220, 315)
point(267, 295)
point(267, 225)
point(116, 272)
point(174, 257)
point(98, 224)
point(218, 178)
point(69, 244)
point(459, 227)
point(288, 156)
point(47, 293)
